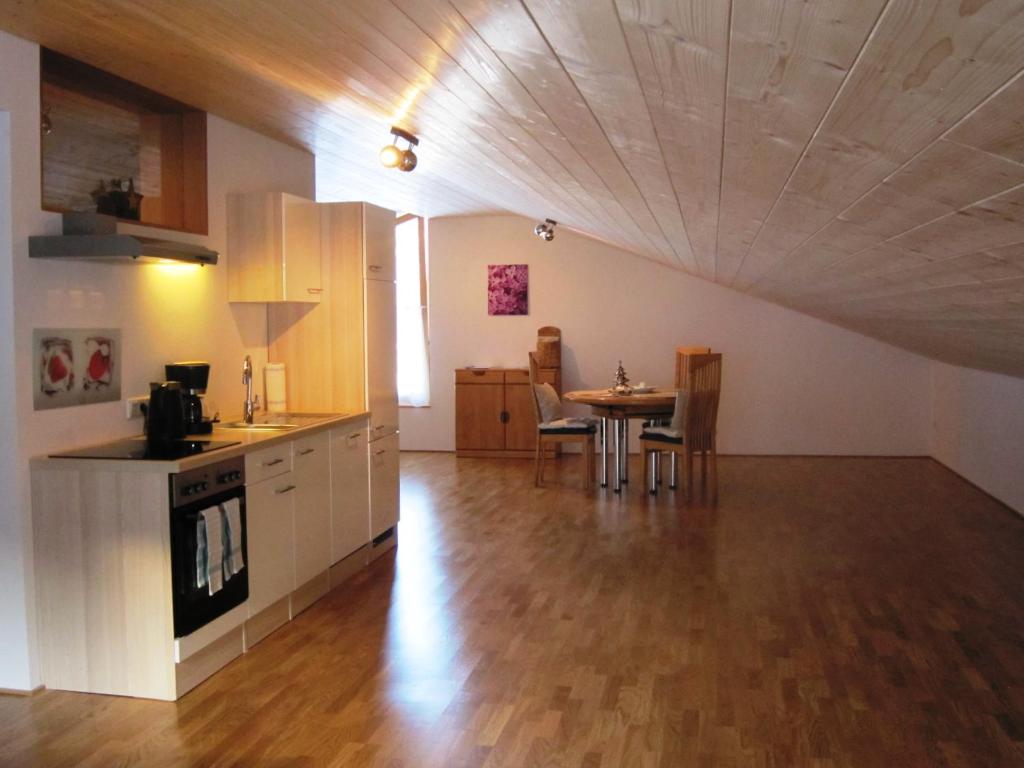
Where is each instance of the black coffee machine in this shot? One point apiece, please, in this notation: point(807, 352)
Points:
point(165, 415)
point(193, 376)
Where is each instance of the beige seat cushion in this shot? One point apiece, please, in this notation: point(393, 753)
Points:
point(550, 405)
point(678, 424)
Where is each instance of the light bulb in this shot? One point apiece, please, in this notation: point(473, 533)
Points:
point(408, 161)
point(391, 156)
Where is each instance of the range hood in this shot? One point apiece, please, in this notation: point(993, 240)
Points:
point(95, 237)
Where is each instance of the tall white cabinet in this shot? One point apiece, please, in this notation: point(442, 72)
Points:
point(341, 356)
point(381, 367)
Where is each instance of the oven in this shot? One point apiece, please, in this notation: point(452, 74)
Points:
point(199, 498)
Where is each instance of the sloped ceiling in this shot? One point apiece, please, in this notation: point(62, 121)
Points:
point(858, 160)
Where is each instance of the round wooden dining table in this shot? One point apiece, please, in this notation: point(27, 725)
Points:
point(616, 410)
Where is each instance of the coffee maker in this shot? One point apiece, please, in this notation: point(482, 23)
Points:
point(193, 376)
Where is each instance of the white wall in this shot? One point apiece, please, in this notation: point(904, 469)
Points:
point(791, 384)
point(978, 429)
point(14, 632)
point(164, 313)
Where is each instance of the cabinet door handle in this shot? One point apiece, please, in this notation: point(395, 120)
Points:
point(314, 290)
point(286, 489)
point(354, 435)
point(375, 267)
point(306, 452)
point(504, 417)
point(272, 462)
point(382, 450)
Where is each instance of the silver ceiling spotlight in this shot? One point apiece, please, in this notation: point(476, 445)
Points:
point(402, 159)
point(546, 230)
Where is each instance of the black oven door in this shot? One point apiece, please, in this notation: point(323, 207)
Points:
point(194, 606)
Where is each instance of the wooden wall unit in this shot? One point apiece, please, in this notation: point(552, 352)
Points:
point(494, 411)
point(103, 128)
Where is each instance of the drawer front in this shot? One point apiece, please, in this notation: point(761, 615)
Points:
point(311, 451)
point(516, 376)
point(268, 462)
point(479, 376)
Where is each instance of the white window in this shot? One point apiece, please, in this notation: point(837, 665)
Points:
point(411, 305)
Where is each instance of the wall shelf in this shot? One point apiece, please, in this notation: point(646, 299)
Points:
point(98, 127)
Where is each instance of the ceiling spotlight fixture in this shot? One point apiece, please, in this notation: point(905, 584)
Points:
point(545, 230)
point(394, 157)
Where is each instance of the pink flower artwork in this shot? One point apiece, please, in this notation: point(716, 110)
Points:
point(508, 289)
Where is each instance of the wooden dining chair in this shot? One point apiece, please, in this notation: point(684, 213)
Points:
point(682, 362)
point(553, 428)
point(691, 431)
point(682, 366)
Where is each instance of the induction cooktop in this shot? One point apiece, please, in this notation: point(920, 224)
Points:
point(136, 448)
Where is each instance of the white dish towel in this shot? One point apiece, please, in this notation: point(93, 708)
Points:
point(213, 523)
point(234, 561)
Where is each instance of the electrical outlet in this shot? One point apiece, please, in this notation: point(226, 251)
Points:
point(132, 407)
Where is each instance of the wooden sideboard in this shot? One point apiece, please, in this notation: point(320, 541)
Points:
point(494, 414)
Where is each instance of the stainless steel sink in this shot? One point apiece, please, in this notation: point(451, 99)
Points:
point(258, 427)
point(278, 422)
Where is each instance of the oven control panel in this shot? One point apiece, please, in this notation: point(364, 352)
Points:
point(209, 480)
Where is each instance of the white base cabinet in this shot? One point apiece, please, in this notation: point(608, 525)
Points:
point(350, 491)
point(312, 506)
point(270, 525)
point(384, 488)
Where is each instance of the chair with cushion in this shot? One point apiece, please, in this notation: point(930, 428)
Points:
point(553, 427)
point(682, 366)
point(693, 426)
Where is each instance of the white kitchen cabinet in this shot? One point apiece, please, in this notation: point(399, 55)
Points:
point(311, 501)
point(271, 536)
point(274, 248)
point(350, 491)
point(384, 488)
point(381, 358)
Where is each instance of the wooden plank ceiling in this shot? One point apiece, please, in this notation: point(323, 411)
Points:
point(858, 160)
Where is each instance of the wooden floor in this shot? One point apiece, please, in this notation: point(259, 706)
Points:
point(829, 612)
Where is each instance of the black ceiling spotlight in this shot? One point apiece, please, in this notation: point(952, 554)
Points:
point(545, 230)
point(402, 159)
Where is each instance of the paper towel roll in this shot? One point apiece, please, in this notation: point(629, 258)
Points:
point(276, 398)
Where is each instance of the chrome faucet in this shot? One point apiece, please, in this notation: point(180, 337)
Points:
point(252, 402)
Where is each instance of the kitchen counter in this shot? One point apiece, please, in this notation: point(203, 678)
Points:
point(103, 552)
point(248, 440)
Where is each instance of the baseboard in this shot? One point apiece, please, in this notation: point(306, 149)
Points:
point(204, 663)
point(272, 617)
point(383, 544)
point(22, 692)
point(349, 566)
